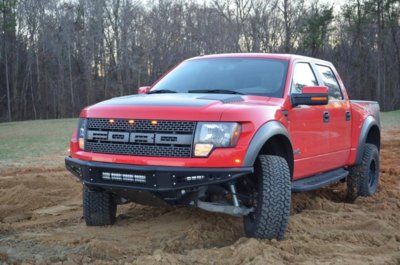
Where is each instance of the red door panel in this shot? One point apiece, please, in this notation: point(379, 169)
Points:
point(309, 136)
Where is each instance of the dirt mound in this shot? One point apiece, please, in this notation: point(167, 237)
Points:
point(41, 221)
point(26, 190)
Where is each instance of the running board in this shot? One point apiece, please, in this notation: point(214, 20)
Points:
point(318, 181)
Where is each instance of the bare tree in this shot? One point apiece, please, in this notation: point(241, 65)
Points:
point(58, 56)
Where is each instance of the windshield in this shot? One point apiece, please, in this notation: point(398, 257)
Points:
point(250, 76)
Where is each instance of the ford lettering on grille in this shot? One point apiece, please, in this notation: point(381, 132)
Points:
point(118, 137)
point(142, 138)
point(167, 138)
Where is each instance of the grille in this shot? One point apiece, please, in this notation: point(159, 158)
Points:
point(139, 150)
point(117, 137)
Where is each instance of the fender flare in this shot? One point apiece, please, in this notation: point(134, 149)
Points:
point(369, 122)
point(263, 134)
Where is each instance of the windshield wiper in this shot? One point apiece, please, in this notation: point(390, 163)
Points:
point(216, 91)
point(160, 91)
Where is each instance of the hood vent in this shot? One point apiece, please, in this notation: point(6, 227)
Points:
point(223, 98)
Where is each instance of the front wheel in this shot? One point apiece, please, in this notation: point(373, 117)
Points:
point(271, 193)
point(99, 207)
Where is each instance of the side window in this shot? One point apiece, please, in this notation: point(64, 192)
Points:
point(329, 79)
point(303, 76)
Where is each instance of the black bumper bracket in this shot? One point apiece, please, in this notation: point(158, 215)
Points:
point(156, 178)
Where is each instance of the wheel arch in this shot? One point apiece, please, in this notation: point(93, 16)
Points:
point(272, 138)
point(370, 133)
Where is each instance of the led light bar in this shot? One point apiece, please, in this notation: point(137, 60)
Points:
point(191, 178)
point(123, 177)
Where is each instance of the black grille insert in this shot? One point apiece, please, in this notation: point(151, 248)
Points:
point(140, 137)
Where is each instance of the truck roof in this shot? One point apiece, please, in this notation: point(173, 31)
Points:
point(281, 56)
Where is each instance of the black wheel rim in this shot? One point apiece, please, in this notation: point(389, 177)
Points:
point(372, 173)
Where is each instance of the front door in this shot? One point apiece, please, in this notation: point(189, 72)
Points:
point(309, 132)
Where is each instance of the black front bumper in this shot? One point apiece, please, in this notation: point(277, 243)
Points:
point(156, 178)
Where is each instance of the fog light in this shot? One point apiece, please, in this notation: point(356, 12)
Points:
point(140, 178)
point(106, 175)
point(203, 149)
point(116, 176)
point(128, 177)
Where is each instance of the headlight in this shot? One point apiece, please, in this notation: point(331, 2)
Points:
point(81, 133)
point(210, 135)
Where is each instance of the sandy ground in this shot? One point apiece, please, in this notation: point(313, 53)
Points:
point(41, 222)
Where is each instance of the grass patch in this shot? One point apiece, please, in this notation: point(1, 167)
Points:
point(390, 119)
point(35, 141)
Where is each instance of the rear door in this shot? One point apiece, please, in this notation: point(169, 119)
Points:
point(339, 113)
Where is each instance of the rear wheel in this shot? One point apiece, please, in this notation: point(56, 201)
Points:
point(270, 193)
point(363, 179)
point(99, 207)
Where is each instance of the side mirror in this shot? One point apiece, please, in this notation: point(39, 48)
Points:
point(144, 89)
point(311, 95)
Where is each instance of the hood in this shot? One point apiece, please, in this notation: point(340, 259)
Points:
point(180, 106)
point(171, 100)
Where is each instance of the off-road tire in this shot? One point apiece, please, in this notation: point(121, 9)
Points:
point(270, 219)
point(363, 179)
point(99, 207)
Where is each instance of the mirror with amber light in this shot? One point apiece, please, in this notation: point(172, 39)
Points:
point(311, 95)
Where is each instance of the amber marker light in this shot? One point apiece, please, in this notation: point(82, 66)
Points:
point(111, 121)
point(131, 122)
point(318, 98)
point(236, 134)
point(81, 143)
point(237, 161)
point(154, 122)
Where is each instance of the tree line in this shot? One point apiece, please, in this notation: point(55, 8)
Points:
point(57, 56)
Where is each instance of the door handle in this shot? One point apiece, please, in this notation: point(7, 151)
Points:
point(326, 116)
point(348, 115)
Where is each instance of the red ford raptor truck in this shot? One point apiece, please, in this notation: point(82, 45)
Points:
point(229, 133)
